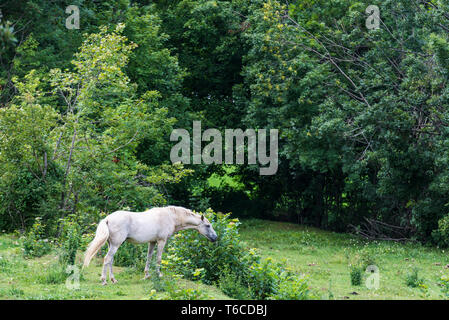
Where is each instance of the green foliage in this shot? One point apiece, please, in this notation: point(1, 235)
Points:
point(29, 177)
point(188, 250)
point(233, 286)
point(131, 255)
point(441, 235)
point(35, 243)
point(6, 35)
point(172, 289)
point(356, 275)
point(69, 240)
point(412, 278)
point(74, 149)
point(261, 276)
point(239, 272)
point(346, 100)
point(54, 274)
point(444, 286)
point(292, 287)
point(358, 262)
point(85, 116)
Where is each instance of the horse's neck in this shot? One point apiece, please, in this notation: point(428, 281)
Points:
point(183, 222)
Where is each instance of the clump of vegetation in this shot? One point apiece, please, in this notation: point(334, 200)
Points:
point(412, 278)
point(172, 289)
point(70, 240)
point(131, 255)
point(239, 271)
point(35, 243)
point(444, 286)
point(441, 235)
point(292, 287)
point(356, 275)
point(232, 286)
point(16, 292)
point(54, 274)
point(358, 263)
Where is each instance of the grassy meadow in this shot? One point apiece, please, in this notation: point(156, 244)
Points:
point(323, 257)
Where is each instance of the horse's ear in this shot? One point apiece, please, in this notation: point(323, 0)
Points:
point(202, 218)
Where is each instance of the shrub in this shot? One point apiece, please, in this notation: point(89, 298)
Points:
point(292, 287)
point(358, 263)
point(170, 286)
point(261, 276)
point(188, 250)
point(444, 285)
point(366, 258)
point(412, 278)
point(70, 240)
point(30, 196)
point(441, 235)
point(238, 271)
point(34, 243)
point(356, 275)
point(131, 255)
point(233, 286)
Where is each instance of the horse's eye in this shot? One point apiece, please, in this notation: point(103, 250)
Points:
point(208, 226)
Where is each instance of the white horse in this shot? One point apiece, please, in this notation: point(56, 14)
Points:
point(152, 226)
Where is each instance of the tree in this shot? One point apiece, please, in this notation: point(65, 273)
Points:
point(362, 111)
point(91, 135)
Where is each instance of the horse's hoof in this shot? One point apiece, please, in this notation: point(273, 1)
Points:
point(113, 280)
point(104, 283)
point(147, 276)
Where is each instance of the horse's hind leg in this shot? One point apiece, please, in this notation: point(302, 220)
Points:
point(107, 264)
point(111, 275)
point(151, 246)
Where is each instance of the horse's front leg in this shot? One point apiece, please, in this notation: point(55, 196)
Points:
point(160, 249)
point(151, 246)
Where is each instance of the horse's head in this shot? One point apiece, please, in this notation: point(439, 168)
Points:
point(206, 229)
point(190, 220)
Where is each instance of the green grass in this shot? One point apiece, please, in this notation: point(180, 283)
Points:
point(324, 257)
point(42, 278)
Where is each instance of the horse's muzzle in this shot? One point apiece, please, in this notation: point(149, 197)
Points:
point(213, 238)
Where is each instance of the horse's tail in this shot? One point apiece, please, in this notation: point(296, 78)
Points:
point(101, 236)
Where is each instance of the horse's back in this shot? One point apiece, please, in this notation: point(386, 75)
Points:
point(140, 227)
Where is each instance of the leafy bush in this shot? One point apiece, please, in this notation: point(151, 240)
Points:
point(261, 276)
point(188, 250)
point(170, 286)
point(131, 255)
point(441, 235)
point(70, 240)
point(238, 271)
point(291, 287)
point(29, 196)
point(358, 263)
point(412, 278)
point(356, 275)
point(233, 286)
point(34, 243)
point(444, 285)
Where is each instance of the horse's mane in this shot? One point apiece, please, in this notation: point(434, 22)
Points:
point(178, 209)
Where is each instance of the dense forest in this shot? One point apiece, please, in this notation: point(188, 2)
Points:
point(362, 113)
